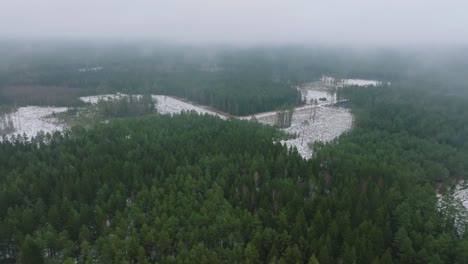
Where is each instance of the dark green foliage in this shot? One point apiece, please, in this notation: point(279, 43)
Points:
point(160, 188)
point(238, 82)
point(284, 118)
point(194, 188)
point(30, 252)
point(126, 106)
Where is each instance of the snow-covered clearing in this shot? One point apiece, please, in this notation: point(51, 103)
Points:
point(309, 96)
point(461, 194)
point(310, 123)
point(94, 99)
point(360, 82)
point(329, 123)
point(94, 69)
point(30, 120)
point(170, 105)
point(454, 207)
point(164, 104)
point(327, 80)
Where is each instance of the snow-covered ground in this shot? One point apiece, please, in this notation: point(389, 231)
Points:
point(309, 96)
point(454, 207)
point(328, 124)
point(90, 69)
point(170, 105)
point(164, 104)
point(30, 120)
point(461, 194)
point(360, 82)
point(327, 80)
point(94, 99)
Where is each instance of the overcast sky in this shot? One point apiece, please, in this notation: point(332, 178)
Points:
point(380, 22)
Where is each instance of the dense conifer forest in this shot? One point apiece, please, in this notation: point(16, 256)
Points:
point(239, 81)
point(178, 189)
point(152, 188)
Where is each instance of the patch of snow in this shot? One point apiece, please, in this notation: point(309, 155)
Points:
point(327, 79)
point(94, 99)
point(170, 105)
point(164, 104)
point(331, 81)
point(461, 194)
point(360, 82)
point(30, 120)
point(94, 69)
point(328, 124)
point(454, 207)
point(310, 95)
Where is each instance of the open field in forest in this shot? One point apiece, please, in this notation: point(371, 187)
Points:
point(316, 121)
point(30, 120)
point(461, 194)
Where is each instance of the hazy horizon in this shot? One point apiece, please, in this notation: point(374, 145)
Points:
point(358, 22)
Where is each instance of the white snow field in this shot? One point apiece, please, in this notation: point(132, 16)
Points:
point(360, 82)
point(329, 123)
point(94, 69)
point(164, 104)
point(170, 105)
point(30, 120)
point(309, 95)
point(458, 200)
point(94, 99)
point(327, 80)
point(461, 194)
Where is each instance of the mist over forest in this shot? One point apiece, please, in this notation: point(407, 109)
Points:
point(233, 132)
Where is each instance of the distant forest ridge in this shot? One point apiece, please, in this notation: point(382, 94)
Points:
point(239, 81)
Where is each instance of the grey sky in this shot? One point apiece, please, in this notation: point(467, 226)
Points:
point(242, 21)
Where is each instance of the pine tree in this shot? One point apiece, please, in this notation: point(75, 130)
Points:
point(30, 252)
